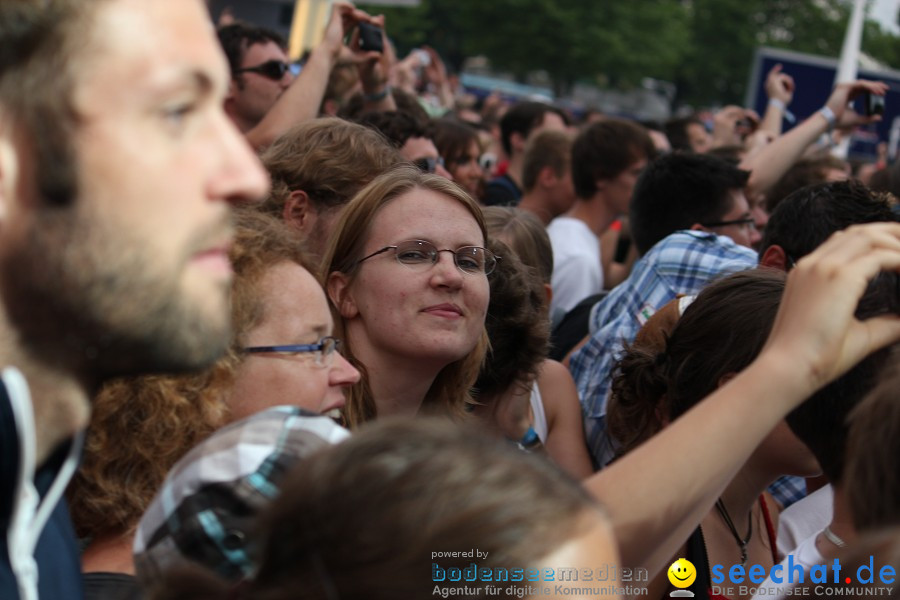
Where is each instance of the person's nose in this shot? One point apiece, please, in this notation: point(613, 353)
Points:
point(342, 373)
point(445, 273)
point(238, 176)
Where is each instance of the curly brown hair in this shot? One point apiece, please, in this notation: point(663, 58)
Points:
point(141, 426)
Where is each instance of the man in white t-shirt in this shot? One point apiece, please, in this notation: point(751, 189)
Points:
point(607, 158)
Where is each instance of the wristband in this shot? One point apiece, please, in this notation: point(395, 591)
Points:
point(788, 115)
point(378, 96)
point(829, 115)
point(530, 440)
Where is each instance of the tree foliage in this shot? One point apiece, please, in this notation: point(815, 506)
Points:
point(705, 46)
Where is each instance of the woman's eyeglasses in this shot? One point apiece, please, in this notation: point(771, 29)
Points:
point(420, 255)
point(324, 350)
point(271, 69)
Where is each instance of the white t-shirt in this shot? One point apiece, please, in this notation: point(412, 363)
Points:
point(804, 518)
point(806, 555)
point(577, 270)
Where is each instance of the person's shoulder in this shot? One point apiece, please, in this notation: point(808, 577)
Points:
point(684, 249)
point(553, 373)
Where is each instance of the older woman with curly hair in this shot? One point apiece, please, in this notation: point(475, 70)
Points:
point(281, 352)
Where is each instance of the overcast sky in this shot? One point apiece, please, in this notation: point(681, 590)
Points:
point(885, 12)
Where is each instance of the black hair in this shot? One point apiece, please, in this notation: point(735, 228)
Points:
point(237, 37)
point(806, 218)
point(679, 190)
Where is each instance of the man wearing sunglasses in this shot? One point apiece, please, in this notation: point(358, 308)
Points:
point(265, 99)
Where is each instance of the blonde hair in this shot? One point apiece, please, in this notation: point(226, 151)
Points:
point(450, 391)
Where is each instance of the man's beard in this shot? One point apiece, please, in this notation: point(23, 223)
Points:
point(85, 296)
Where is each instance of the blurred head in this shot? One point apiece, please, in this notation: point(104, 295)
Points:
point(806, 218)
point(804, 172)
point(688, 134)
point(525, 118)
point(352, 517)
point(690, 191)
point(70, 210)
point(458, 145)
point(259, 74)
point(316, 168)
point(430, 315)
point(607, 157)
point(546, 167)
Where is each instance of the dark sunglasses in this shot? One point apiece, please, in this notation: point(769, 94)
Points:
point(428, 165)
point(271, 69)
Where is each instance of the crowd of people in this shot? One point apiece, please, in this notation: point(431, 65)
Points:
point(354, 332)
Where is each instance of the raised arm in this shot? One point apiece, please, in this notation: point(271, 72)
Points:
point(780, 91)
point(657, 494)
point(302, 99)
point(770, 163)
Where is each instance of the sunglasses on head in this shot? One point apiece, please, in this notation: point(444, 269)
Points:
point(271, 69)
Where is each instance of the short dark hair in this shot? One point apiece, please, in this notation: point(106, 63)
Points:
point(547, 149)
point(236, 38)
point(605, 149)
point(396, 126)
point(805, 219)
point(521, 118)
point(678, 190)
point(821, 421)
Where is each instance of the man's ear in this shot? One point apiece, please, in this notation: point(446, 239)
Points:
point(298, 212)
point(698, 227)
point(547, 178)
point(774, 257)
point(338, 288)
point(548, 290)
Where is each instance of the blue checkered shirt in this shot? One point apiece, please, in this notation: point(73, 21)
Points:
point(682, 263)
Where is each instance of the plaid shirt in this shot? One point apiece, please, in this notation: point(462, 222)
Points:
point(208, 502)
point(682, 263)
